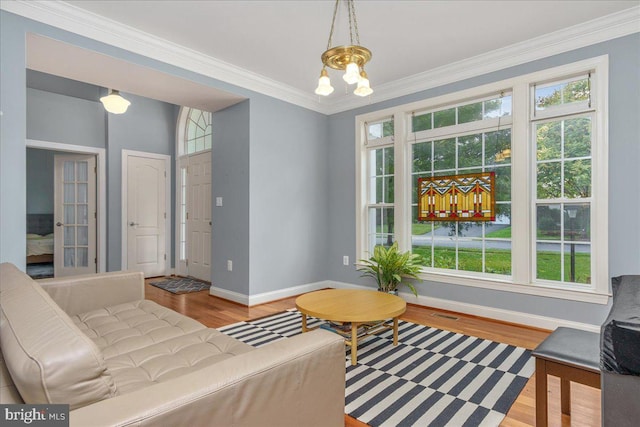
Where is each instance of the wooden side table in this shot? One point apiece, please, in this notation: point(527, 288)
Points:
point(351, 305)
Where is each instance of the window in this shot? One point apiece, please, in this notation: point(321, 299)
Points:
point(563, 140)
point(197, 132)
point(380, 183)
point(544, 137)
point(182, 210)
point(468, 138)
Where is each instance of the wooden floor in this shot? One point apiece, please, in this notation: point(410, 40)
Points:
point(585, 401)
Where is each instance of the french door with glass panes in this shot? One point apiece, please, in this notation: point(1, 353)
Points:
point(74, 215)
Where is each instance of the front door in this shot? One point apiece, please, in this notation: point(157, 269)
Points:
point(75, 215)
point(146, 215)
point(199, 216)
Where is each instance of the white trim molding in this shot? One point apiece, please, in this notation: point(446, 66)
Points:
point(79, 21)
point(265, 297)
point(76, 20)
point(101, 184)
point(598, 30)
point(510, 316)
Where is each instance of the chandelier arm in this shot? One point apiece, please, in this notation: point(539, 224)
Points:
point(355, 22)
point(333, 23)
point(349, 3)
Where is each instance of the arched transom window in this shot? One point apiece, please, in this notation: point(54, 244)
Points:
point(198, 131)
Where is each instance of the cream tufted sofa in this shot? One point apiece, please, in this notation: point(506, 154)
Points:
point(94, 343)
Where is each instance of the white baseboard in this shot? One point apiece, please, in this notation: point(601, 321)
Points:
point(229, 295)
point(510, 316)
point(250, 300)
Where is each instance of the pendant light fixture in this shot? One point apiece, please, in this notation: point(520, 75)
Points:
point(114, 102)
point(350, 58)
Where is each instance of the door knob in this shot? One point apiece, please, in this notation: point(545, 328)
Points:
point(209, 222)
point(59, 224)
point(133, 223)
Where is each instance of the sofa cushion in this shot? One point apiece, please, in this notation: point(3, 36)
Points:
point(50, 360)
point(127, 327)
point(172, 358)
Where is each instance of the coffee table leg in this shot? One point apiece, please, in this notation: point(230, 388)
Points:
point(354, 343)
point(304, 322)
point(395, 331)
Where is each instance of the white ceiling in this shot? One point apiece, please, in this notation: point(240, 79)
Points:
point(283, 40)
point(280, 42)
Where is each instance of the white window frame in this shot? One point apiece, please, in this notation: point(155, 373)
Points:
point(523, 182)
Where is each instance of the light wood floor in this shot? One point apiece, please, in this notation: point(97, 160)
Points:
point(585, 401)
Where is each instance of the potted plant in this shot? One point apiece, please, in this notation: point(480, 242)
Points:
point(388, 266)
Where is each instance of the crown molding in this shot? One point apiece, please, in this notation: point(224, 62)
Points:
point(73, 19)
point(76, 20)
point(598, 30)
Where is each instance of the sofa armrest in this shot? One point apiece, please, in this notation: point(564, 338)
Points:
point(79, 294)
point(299, 381)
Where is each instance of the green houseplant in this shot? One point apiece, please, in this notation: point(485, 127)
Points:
point(388, 266)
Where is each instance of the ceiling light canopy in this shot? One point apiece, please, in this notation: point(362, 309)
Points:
point(350, 58)
point(114, 102)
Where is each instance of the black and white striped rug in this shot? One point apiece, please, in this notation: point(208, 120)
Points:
point(431, 378)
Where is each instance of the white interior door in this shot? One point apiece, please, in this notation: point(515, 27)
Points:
point(75, 215)
point(146, 215)
point(199, 216)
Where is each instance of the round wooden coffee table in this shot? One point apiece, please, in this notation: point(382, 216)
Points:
point(359, 307)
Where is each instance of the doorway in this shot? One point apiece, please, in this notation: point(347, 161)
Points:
point(75, 214)
point(194, 143)
point(146, 216)
point(40, 205)
point(198, 216)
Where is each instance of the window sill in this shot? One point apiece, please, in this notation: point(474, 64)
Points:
point(589, 296)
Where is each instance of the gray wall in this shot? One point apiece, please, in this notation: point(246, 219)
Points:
point(624, 183)
point(63, 86)
point(292, 218)
point(227, 245)
point(13, 105)
point(53, 117)
point(13, 133)
point(289, 194)
point(230, 180)
point(39, 181)
point(148, 126)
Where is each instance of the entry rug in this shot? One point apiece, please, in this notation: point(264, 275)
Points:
point(431, 378)
point(181, 285)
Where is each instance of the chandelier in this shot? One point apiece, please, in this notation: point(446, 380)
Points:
point(350, 58)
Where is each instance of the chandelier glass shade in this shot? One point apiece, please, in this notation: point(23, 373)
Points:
point(324, 84)
point(350, 58)
point(114, 102)
point(363, 88)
